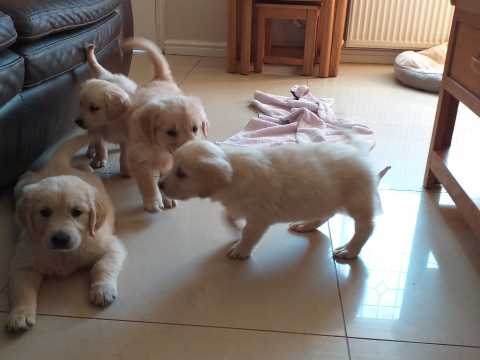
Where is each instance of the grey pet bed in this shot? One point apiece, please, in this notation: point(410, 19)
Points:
point(421, 70)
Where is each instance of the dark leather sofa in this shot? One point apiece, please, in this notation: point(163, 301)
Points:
point(42, 63)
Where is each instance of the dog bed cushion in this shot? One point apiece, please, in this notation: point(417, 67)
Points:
point(422, 70)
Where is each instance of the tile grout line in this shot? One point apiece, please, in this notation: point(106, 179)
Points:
point(339, 295)
point(191, 70)
point(249, 329)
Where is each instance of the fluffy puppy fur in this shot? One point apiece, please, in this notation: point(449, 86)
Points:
point(162, 120)
point(104, 106)
point(66, 222)
point(302, 183)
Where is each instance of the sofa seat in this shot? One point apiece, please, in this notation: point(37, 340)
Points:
point(57, 54)
point(8, 35)
point(35, 19)
point(11, 75)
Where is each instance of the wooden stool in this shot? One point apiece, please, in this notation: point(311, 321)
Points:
point(265, 13)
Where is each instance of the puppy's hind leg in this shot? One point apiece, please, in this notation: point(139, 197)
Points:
point(104, 275)
point(23, 289)
point(363, 230)
point(251, 235)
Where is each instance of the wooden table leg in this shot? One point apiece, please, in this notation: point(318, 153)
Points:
point(260, 41)
point(246, 11)
point(232, 36)
point(338, 31)
point(310, 41)
point(442, 131)
point(325, 34)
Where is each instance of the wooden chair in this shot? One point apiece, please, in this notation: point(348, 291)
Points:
point(265, 13)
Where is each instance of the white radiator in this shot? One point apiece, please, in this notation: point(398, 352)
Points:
point(398, 24)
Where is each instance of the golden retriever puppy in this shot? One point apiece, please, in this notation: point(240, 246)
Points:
point(301, 183)
point(104, 106)
point(66, 222)
point(162, 119)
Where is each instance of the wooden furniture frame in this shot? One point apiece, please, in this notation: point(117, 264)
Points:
point(265, 13)
point(461, 82)
point(330, 32)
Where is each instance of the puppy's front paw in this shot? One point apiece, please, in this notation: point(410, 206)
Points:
point(103, 294)
point(20, 320)
point(98, 163)
point(236, 252)
point(169, 203)
point(345, 252)
point(152, 206)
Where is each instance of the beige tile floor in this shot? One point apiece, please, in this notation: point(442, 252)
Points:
point(413, 293)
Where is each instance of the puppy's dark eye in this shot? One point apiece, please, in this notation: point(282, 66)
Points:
point(94, 108)
point(172, 132)
point(181, 174)
point(195, 129)
point(76, 212)
point(46, 212)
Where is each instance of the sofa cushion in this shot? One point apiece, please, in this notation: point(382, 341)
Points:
point(60, 53)
point(35, 19)
point(8, 35)
point(11, 75)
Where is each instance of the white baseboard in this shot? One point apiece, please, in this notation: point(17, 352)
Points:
point(194, 47)
point(369, 56)
point(219, 49)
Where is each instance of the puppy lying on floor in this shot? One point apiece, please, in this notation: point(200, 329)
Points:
point(104, 106)
point(304, 183)
point(66, 222)
point(162, 120)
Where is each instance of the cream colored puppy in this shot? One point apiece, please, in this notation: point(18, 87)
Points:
point(302, 183)
point(66, 221)
point(104, 107)
point(162, 120)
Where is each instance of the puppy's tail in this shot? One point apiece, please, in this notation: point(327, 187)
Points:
point(160, 65)
point(97, 70)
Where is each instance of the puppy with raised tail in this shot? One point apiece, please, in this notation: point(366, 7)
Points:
point(105, 103)
point(162, 120)
point(66, 222)
point(301, 183)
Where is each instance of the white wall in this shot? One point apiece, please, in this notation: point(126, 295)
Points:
point(144, 18)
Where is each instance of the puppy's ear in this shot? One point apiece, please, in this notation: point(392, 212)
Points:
point(24, 207)
point(98, 213)
point(147, 122)
point(216, 174)
point(200, 110)
point(117, 102)
point(205, 125)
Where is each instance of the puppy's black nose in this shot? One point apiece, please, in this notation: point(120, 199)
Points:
point(80, 122)
point(60, 240)
point(161, 185)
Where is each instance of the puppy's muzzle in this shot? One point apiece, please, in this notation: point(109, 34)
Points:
point(61, 241)
point(80, 122)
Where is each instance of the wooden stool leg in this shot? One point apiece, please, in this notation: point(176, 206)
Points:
point(246, 7)
point(260, 53)
point(325, 33)
point(442, 131)
point(232, 36)
point(310, 40)
point(337, 41)
point(268, 37)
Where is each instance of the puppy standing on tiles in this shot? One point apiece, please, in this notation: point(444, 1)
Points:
point(301, 183)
